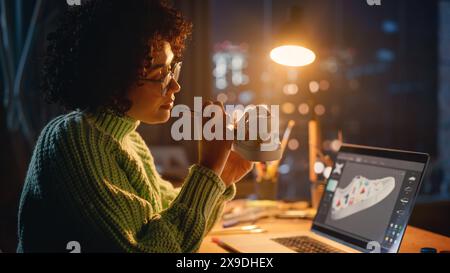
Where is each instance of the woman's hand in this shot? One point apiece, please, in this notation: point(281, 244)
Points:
point(235, 168)
point(217, 156)
point(213, 154)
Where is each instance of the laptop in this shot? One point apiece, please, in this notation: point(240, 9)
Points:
point(365, 207)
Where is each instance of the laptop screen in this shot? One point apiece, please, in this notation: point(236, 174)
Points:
point(369, 196)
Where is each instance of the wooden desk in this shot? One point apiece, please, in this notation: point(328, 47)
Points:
point(413, 241)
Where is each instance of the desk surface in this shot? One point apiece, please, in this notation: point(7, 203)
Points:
point(413, 240)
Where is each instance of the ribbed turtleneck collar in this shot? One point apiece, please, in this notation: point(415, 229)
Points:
point(112, 124)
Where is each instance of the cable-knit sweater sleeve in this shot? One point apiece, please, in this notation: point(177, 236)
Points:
point(92, 182)
point(168, 192)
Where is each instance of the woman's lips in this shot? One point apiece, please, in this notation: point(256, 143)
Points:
point(168, 105)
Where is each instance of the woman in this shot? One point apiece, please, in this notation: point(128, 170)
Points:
point(92, 179)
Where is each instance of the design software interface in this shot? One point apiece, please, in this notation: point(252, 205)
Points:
point(367, 197)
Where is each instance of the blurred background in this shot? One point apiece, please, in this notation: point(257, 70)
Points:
point(381, 77)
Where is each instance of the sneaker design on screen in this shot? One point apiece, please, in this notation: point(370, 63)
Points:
point(362, 193)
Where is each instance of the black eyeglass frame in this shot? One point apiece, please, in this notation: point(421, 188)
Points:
point(174, 74)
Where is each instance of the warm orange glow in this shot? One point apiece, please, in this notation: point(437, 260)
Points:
point(291, 55)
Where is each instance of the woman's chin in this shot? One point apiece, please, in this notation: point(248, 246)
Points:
point(165, 110)
point(162, 116)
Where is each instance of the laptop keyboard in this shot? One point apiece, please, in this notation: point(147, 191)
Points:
point(305, 244)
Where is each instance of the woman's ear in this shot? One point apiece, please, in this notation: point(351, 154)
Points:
point(154, 73)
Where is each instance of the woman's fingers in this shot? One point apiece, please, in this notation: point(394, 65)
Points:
point(224, 119)
point(205, 104)
point(214, 152)
point(227, 120)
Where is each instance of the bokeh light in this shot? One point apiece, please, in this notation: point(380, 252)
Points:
point(319, 167)
point(324, 85)
point(303, 109)
point(288, 108)
point(284, 169)
point(246, 97)
point(314, 87)
point(293, 144)
point(290, 89)
point(319, 109)
point(223, 98)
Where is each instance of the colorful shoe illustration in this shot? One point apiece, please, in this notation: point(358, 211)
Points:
point(362, 193)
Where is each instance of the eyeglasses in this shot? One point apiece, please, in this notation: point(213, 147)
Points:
point(174, 74)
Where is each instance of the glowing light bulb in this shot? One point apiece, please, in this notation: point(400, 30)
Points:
point(291, 55)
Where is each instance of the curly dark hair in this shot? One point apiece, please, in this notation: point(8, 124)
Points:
point(100, 48)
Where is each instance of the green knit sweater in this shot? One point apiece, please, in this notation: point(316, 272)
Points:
point(92, 179)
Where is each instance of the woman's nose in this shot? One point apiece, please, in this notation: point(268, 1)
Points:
point(174, 86)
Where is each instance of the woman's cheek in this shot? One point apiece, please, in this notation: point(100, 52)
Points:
point(150, 100)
